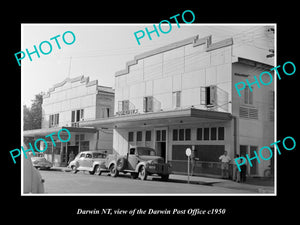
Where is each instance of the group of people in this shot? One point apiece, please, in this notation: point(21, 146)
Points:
point(238, 176)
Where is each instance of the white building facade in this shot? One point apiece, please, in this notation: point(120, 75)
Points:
point(182, 95)
point(67, 104)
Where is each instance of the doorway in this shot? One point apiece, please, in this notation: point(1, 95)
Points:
point(161, 143)
point(161, 149)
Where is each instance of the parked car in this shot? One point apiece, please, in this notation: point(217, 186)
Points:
point(90, 161)
point(139, 162)
point(40, 162)
point(32, 179)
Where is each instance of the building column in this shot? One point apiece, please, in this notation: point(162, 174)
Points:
point(61, 154)
point(52, 148)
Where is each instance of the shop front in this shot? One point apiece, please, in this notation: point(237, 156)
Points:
point(208, 133)
point(60, 153)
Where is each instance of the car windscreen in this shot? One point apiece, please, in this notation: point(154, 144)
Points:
point(99, 155)
point(145, 151)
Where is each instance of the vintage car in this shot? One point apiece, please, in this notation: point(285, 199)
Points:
point(139, 162)
point(90, 161)
point(40, 162)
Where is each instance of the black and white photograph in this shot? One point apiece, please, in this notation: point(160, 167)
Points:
point(164, 113)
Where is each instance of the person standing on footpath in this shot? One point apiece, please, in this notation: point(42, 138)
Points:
point(243, 170)
point(71, 157)
point(236, 172)
point(225, 160)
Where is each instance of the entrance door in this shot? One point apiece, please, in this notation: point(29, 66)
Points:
point(161, 149)
point(253, 169)
point(71, 153)
point(161, 143)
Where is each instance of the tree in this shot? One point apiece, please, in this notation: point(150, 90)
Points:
point(32, 116)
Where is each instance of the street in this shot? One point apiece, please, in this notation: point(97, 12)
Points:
point(58, 182)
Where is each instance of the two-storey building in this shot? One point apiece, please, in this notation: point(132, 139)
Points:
point(182, 95)
point(65, 105)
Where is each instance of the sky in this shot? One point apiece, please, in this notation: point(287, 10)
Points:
point(100, 50)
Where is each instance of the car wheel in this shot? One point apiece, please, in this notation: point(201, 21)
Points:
point(143, 173)
point(74, 169)
point(121, 162)
point(97, 170)
point(113, 170)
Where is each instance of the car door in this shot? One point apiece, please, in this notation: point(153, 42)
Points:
point(87, 162)
point(132, 159)
point(80, 161)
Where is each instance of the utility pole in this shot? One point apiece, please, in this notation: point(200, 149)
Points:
point(70, 67)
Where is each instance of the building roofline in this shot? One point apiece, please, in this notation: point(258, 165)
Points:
point(195, 40)
point(80, 79)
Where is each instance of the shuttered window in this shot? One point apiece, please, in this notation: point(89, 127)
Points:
point(148, 104)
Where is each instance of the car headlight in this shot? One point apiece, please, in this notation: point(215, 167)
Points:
point(151, 162)
point(35, 162)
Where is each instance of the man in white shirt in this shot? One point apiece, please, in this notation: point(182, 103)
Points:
point(225, 160)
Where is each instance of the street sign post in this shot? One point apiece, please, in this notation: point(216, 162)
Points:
point(188, 153)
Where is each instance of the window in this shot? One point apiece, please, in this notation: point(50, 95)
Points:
point(213, 133)
point(130, 136)
point(181, 134)
point(123, 105)
point(199, 134)
point(248, 96)
point(163, 135)
point(208, 95)
point(220, 133)
point(81, 137)
point(176, 99)
point(175, 135)
point(148, 135)
point(158, 132)
point(206, 133)
point(105, 112)
point(76, 116)
point(187, 134)
point(139, 136)
point(132, 151)
point(88, 155)
point(148, 104)
point(53, 120)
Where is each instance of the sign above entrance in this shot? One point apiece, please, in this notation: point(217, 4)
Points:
point(127, 112)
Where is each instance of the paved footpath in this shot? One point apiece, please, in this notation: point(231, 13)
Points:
point(225, 183)
point(252, 187)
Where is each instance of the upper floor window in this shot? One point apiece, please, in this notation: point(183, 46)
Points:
point(176, 99)
point(248, 96)
point(53, 120)
point(123, 105)
point(148, 104)
point(76, 116)
point(208, 95)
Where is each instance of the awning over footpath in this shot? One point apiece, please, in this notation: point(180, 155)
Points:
point(47, 131)
point(163, 118)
